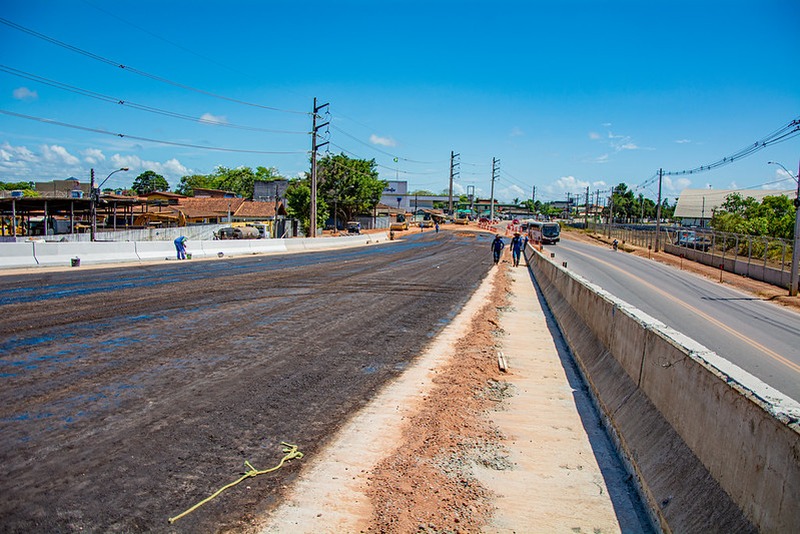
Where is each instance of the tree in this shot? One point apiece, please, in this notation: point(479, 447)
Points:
point(351, 184)
point(773, 216)
point(195, 181)
point(149, 181)
point(298, 203)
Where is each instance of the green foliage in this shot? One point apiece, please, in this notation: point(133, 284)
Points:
point(298, 203)
point(774, 216)
point(149, 181)
point(27, 188)
point(239, 181)
point(424, 192)
point(195, 181)
point(13, 186)
point(351, 184)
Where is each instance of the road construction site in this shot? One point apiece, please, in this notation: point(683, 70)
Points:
point(425, 390)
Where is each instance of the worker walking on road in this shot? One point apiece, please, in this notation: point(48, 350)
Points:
point(180, 247)
point(497, 248)
point(516, 249)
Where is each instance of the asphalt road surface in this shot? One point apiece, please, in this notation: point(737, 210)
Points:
point(760, 337)
point(129, 394)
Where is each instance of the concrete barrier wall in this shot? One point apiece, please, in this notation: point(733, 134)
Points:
point(734, 264)
point(714, 448)
point(53, 254)
point(17, 255)
point(31, 254)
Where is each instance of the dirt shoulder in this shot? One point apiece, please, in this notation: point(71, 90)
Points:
point(747, 285)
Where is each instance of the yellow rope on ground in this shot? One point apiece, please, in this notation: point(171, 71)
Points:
point(291, 453)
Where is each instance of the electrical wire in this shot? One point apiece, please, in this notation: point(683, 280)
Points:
point(128, 68)
point(149, 109)
point(159, 141)
point(781, 134)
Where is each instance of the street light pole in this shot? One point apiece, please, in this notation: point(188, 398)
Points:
point(793, 282)
point(95, 197)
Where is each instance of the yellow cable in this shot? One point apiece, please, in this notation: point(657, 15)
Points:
point(291, 453)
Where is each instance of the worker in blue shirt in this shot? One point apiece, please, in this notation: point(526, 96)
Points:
point(497, 248)
point(516, 249)
point(180, 247)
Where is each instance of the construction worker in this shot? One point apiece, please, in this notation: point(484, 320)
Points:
point(180, 246)
point(497, 248)
point(516, 249)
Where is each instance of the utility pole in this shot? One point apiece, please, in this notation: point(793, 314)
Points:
point(314, 147)
point(453, 172)
point(586, 211)
point(658, 210)
point(533, 200)
point(793, 283)
point(92, 210)
point(596, 205)
point(495, 169)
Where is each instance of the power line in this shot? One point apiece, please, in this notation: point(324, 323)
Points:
point(128, 68)
point(159, 141)
point(142, 107)
point(783, 133)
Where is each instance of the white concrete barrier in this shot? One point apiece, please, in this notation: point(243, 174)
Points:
point(89, 253)
point(62, 253)
point(714, 448)
point(238, 247)
point(156, 250)
point(16, 255)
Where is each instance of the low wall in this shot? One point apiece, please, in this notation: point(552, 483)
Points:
point(54, 254)
point(734, 264)
point(41, 253)
point(713, 448)
point(17, 255)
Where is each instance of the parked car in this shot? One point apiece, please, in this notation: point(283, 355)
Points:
point(353, 227)
point(690, 239)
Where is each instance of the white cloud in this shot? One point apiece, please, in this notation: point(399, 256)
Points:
point(25, 94)
point(93, 156)
point(383, 141)
point(628, 146)
point(9, 153)
point(677, 185)
point(516, 132)
point(170, 169)
point(683, 141)
point(208, 117)
point(58, 154)
point(601, 159)
point(595, 136)
point(511, 192)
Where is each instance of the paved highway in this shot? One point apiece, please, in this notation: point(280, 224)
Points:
point(758, 336)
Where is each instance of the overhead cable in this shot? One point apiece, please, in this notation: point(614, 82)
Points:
point(781, 134)
point(128, 68)
point(159, 141)
point(113, 100)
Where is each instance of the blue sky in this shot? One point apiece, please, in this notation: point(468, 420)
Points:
point(566, 94)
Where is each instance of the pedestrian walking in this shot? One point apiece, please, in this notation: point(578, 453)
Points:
point(180, 247)
point(497, 248)
point(436, 225)
point(516, 249)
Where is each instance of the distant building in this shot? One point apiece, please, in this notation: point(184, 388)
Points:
point(202, 192)
point(61, 188)
point(696, 207)
point(395, 195)
point(268, 191)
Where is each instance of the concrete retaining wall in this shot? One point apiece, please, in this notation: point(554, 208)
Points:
point(58, 254)
point(714, 448)
point(734, 264)
point(17, 255)
point(40, 253)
